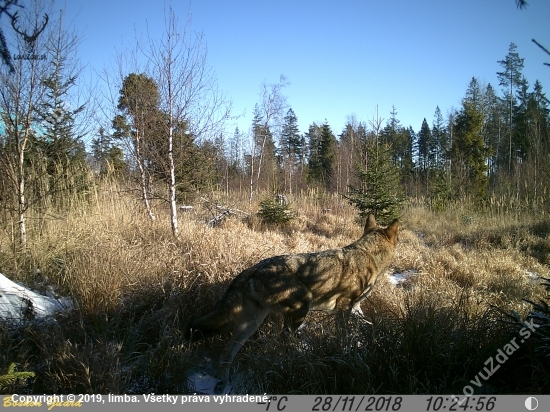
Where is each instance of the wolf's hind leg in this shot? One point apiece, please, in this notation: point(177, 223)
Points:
point(296, 309)
point(294, 319)
point(248, 322)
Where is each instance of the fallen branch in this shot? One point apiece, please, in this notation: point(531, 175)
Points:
point(224, 212)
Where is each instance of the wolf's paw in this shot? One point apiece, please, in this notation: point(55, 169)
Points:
point(222, 387)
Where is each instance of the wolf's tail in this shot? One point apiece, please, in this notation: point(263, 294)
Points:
point(218, 318)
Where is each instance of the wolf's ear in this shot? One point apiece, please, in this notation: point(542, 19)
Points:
point(371, 223)
point(391, 231)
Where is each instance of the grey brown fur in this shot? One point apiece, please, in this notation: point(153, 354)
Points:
point(332, 280)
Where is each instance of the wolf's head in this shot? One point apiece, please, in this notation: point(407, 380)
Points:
point(390, 232)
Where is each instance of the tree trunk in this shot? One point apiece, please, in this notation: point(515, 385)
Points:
point(22, 204)
point(143, 178)
point(172, 188)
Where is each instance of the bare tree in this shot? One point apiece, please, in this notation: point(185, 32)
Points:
point(189, 94)
point(271, 110)
point(21, 91)
point(41, 114)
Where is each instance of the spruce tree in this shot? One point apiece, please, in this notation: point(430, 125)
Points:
point(314, 160)
point(492, 130)
point(379, 191)
point(424, 143)
point(290, 138)
point(327, 155)
point(291, 147)
point(522, 120)
point(469, 153)
point(438, 187)
point(108, 157)
point(439, 136)
point(59, 142)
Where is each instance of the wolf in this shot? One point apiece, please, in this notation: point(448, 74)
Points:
point(292, 285)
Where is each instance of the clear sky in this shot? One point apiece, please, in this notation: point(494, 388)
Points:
point(341, 57)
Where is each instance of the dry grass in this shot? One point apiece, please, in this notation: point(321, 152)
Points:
point(136, 286)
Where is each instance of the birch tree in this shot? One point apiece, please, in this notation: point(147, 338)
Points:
point(21, 91)
point(188, 91)
point(268, 116)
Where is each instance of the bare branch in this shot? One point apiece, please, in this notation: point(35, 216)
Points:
point(521, 4)
point(543, 48)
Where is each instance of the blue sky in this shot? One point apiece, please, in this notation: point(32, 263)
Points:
point(341, 57)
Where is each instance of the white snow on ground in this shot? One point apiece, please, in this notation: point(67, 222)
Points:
point(398, 278)
point(17, 303)
point(533, 276)
point(202, 382)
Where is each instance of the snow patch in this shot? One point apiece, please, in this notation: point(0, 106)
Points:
point(202, 382)
point(533, 276)
point(399, 277)
point(17, 303)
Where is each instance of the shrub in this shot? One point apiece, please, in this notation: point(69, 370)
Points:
point(13, 379)
point(275, 211)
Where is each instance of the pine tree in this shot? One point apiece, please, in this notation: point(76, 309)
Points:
point(139, 106)
point(108, 157)
point(510, 78)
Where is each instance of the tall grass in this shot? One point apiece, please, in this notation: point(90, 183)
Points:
point(135, 287)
